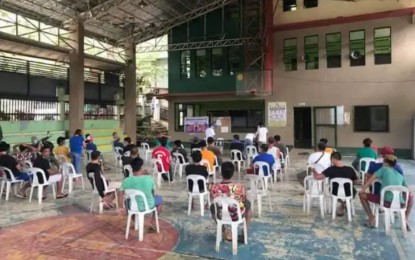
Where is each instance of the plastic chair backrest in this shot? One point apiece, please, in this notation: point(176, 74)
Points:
point(225, 203)
point(88, 154)
point(179, 158)
point(62, 159)
point(6, 173)
point(256, 184)
point(128, 170)
point(92, 176)
point(27, 164)
point(127, 154)
point(68, 169)
point(374, 184)
point(261, 166)
point(145, 146)
point(313, 186)
point(398, 193)
point(236, 155)
point(34, 172)
point(251, 150)
point(195, 180)
point(219, 142)
point(118, 150)
point(132, 194)
point(341, 191)
point(196, 149)
point(206, 163)
point(364, 164)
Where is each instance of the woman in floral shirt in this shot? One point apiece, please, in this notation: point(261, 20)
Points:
point(232, 190)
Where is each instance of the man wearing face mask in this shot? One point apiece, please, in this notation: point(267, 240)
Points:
point(35, 144)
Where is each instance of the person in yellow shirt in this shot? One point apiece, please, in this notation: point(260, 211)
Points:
point(207, 155)
point(62, 149)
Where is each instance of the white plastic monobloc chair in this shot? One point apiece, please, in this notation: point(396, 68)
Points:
point(220, 142)
point(88, 154)
point(8, 182)
point(210, 169)
point(251, 152)
point(95, 193)
point(146, 151)
point(118, 155)
point(238, 159)
point(195, 192)
point(38, 185)
point(127, 154)
point(223, 204)
point(341, 195)
point(196, 149)
point(128, 170)
point(287, 158)
point(62, 159)
point(313, 189)
point(133, 210)
point(68, 171)
point(257, 190)
point(180, 163)
point(398, 193)
point(262, 167)
point(158, 170)
point(276, 169)
point(364, 164)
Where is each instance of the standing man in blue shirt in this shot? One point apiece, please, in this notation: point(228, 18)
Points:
point(76, 145)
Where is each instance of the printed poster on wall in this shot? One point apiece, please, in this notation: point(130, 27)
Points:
point(277, 114)
point(196, 125)
point(223, 124)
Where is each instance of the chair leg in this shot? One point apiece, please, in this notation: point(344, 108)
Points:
point(234, 239)
point(156, 216)
point(31, 194)
point(127, 229)
point(259, 206)
point(92, 203)
point(101, 206)
point(349, 210)
point(308, 204)
point(141, 227)
point(202, 206)
point(116, 200)
point(70, 181)
point(83, 184)
point(189, 206)
point(8, 186)
point(333, 208)
point(63, 183)
point(136, 222)
point(218, 236)
point(376, 209)
point(2, 188)
point(53, 190)
point(304, 203)
point(39, 194)
point(321, 206)
point(245, 232)
point(403, 223)
point(387, 221)
point(270, 204)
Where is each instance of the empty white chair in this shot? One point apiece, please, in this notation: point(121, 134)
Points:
point(211, 171)
point(220, 142)
point(158, 170)
point(38, 185)
point(251, 152)
point(95, 192)
point(180, 163)
point(8, 182)
point(399, 192)
point(195, 192)
point(118, 155)
point(341, 195)
point(128, 170)
point(238, 159)
point(223, 204)
point(133, 210)
point(276, 169)
point(68, 172)
point(262, 167)
point(146, 151)
point(313, 189)
point(257, 190)
point(364, 164)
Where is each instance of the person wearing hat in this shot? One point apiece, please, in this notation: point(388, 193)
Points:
point(11, 163)
point(365, 152)
point(94, 167)
point(388, 176)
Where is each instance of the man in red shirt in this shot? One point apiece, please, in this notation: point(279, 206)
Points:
point(163, 153)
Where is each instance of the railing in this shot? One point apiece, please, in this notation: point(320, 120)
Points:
point(164, 113)
point(30, 110)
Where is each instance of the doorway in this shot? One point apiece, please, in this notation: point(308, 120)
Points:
point(303, 127)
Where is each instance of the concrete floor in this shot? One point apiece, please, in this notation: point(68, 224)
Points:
point(284, 233)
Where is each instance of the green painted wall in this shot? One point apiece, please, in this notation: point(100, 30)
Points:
point(202, 29)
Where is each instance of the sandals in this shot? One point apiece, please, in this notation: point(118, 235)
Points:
point(369, 225)
point(61, 196)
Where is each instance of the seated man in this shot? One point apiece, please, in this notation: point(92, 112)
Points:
point(126, 160)
point(62, 149)
point(388, 176)
point(142, 182)
point(319, 160)
point(164, 154)
point(338, 170)
point(280, 145)
point(94, 167)
point(196, 169)
point(177, 148)
point(207, 155)
point(365, 152)
point(52, 173)
point(211, 147)
point(127, 145)
point(195, 143)
point(89, 143)
point(237, 191)
point(116, 141)
point(264, 156)
point(12, 164)
point(237, 144)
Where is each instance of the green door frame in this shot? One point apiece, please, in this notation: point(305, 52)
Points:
point(316, 125)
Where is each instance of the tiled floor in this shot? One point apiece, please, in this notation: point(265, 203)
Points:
point(284, 233)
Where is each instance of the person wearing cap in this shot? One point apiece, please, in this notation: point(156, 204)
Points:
point(365, 152)
point(388, 177)
point(11, 163)
point(94, 167)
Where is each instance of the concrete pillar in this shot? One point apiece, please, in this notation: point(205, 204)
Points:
point(130, 119)
point(76, 77)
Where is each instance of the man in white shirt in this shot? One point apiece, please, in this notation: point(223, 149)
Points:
point(262, 134)
point(210, 132)
point(319, 160)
